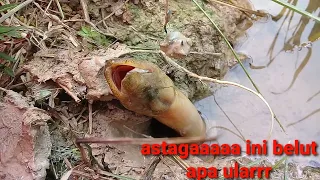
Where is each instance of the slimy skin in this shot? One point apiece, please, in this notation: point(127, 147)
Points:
point(142, 87)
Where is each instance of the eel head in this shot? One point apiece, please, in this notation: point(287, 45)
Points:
point(140, 86)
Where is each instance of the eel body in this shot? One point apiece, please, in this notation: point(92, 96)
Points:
point(144, 88)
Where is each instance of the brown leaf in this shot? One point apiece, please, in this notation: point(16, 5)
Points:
point(60, 66)
point(79, 74)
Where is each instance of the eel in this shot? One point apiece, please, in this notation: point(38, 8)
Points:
point(142, 87)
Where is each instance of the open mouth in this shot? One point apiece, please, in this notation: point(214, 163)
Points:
point(119, 73)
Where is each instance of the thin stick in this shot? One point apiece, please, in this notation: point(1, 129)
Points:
point(105, 18)
point(48, 6)
point(85, 10)
point(14, 10)
point(147, 175)
point(60, 9)
point(90, 116)
point(166, 17)
point(19, 84)
point(206, 53)
point(69, 92)
point(141, 141)
point(214, 97)
point(224, 128)
point(53, 17)
point(164, 161)
point(91, 24)
point(240, 8)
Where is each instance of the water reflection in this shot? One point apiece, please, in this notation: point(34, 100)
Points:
point(313, 96)
point(299, 70)
point(285, 66)
point(287, 17)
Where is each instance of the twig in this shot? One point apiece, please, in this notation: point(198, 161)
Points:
point(14, 10)
point(167, 16)
point(164, 161)
point(207, 53)
point(53, 17)
point(48, 6)
point(240, 8)
point(141, 141)
point(147, 175)
point(83, 174)
point(19, 84)
point(143, 135)
point(60, 9)
point(214, 97)
point(80, 115)
point(69, 92)
point(224, 128)
point(68, 164)
point(54, 170)
point(85, 10)
point(113, 175)
point(105, 18)
point(104, 22)
point(90, 116)
point(184, 165)
point(91, 24)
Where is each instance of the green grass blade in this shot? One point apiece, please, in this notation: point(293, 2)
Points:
point(6, 29)
point(7, 7)
point(229, 45)
point(253, 163)
point(285, 176)
point(8, 71)
point(6, 57)
point(298, 10)
point(277, 165)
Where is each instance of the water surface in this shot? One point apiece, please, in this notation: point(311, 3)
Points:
point(285, 64)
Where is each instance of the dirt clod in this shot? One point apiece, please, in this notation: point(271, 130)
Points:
point(25, 138)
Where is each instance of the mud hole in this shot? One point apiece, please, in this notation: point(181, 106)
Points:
point(64, 75)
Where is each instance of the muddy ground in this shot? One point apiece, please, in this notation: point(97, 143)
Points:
point(59, 75)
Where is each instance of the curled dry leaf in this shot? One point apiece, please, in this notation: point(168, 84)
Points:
point(176, 45)
point(80, 74)
point(60, 67)
point(24, 139)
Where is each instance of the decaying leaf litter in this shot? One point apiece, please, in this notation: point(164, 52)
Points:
point(59, 72)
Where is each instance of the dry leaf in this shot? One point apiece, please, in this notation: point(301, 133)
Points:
point(79, 74)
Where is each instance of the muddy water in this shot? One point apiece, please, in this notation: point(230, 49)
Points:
point(284, 63)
